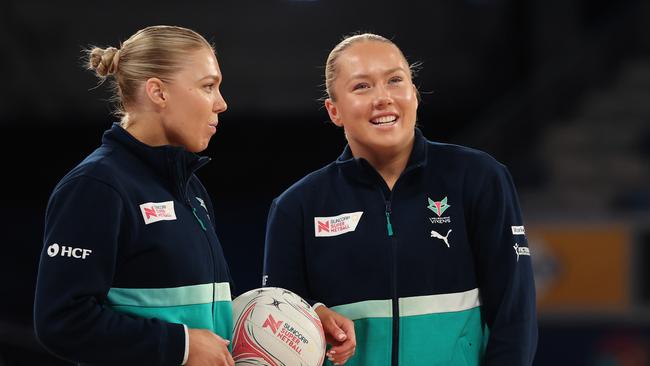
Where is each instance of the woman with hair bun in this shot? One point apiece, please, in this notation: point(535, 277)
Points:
point(132, 271)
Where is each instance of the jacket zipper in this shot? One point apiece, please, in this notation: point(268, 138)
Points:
point(391, 236)
point(389, 226)
point(395, 299)
point(214, 274)
point(383, 188)
point(197, 217)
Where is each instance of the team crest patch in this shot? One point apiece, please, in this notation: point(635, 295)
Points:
point(439, 207)
point(336, 225)
point(157, 211)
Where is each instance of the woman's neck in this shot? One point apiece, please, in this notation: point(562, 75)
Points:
point(389, 164)
point(146, 128)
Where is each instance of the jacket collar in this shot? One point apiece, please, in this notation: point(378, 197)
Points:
point(172, 163)
point(360, 169)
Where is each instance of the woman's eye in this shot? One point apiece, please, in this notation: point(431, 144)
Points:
point(395, 79)
point(209, 87)
point(360, 86)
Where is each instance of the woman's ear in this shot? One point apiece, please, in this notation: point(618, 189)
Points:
point(333, 111)
point(155, 90)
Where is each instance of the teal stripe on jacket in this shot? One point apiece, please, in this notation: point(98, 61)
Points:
point(195, 306)
point(441, 329)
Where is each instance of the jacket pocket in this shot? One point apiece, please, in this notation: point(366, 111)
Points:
point(469, 351)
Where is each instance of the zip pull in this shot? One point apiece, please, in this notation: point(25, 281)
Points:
point(197, 219)
point(388, 224)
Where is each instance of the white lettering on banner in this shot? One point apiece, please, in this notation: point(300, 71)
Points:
point(336, 225)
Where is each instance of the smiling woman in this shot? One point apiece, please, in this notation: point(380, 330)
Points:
point(375, 101)
point(132, 271)
point(423, 271)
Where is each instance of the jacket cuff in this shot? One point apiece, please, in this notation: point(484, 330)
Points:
point(187, 344)
point(175, 346)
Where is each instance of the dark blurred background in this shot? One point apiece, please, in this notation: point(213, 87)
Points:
point(558, 90)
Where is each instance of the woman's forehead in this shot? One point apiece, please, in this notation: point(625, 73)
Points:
point(371, 55)
point(200, 63)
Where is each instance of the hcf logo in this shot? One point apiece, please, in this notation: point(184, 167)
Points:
point(56, 249)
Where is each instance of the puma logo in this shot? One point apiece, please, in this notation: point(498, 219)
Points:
point(434, 234)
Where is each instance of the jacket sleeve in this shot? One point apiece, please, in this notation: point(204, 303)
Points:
point(284, 253)
point(85, 222)
point(504, 270)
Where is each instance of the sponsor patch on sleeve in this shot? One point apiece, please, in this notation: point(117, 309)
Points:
point(521, 251)
point(518, 230)
point(157, 211)
point(336, 225)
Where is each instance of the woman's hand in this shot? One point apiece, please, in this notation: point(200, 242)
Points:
point(339, 333)
point(207, 348)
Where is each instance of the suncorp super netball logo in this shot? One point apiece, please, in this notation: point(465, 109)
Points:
point(336, 225)
point(271, 323)
point(157, 211)
point(287, 333)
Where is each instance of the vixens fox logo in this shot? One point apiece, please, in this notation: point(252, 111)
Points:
point(438, 206)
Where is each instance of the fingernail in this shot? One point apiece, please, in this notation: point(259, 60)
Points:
point(341, 336)
point(332, 352)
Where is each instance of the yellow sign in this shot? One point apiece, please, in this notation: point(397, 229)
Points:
point(581, 267)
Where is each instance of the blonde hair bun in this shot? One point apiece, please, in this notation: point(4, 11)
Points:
point(104, 61)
